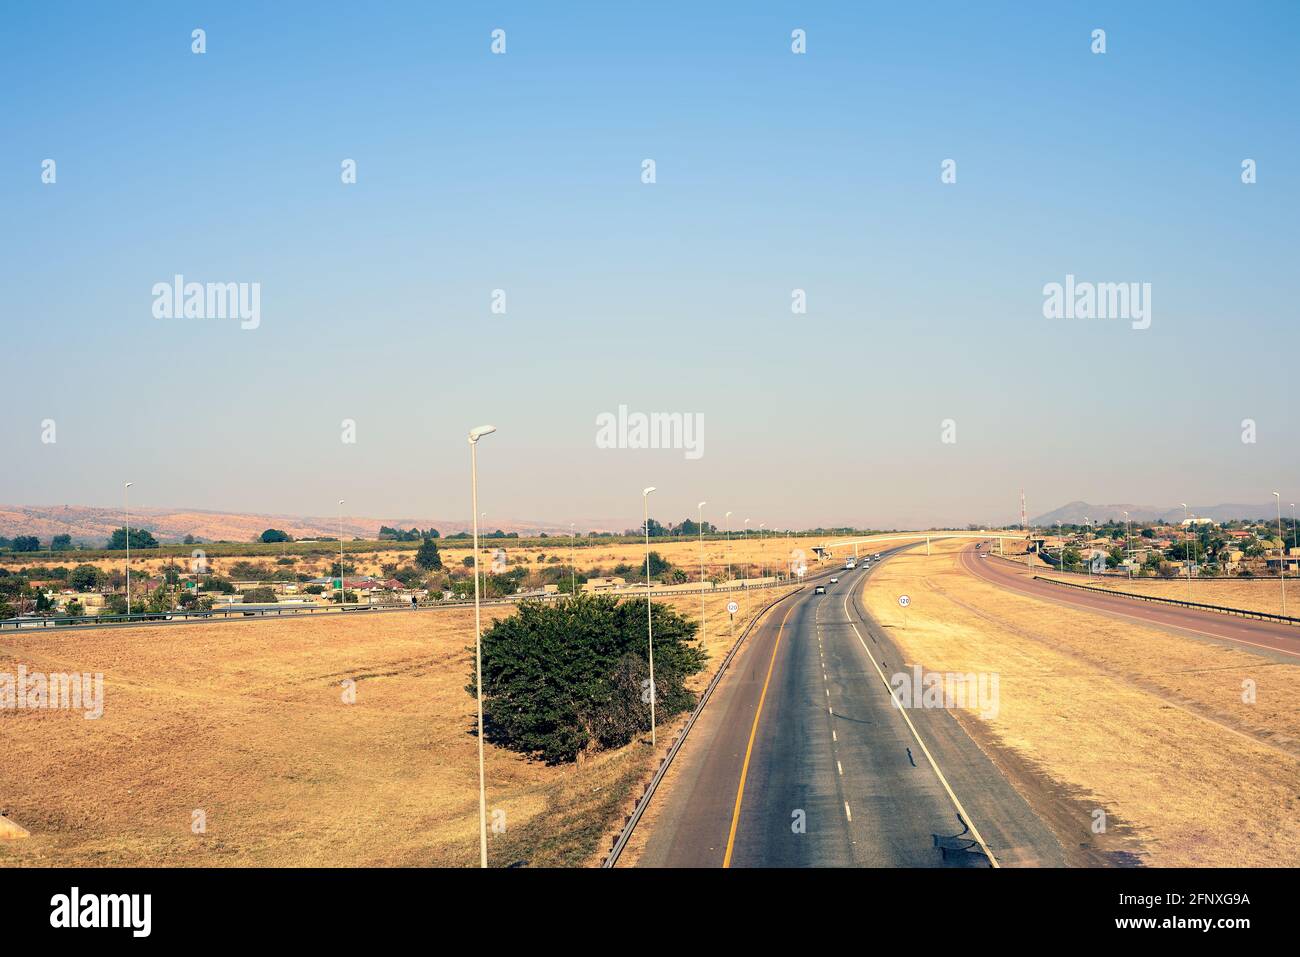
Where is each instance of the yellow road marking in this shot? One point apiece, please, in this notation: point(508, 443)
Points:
point(749, 749)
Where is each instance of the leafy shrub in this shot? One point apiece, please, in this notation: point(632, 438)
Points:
point(567, 677)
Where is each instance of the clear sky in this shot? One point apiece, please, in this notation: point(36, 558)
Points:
point(774, 172)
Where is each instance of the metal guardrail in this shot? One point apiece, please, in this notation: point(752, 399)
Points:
point(644, 801)
point(240, 612)
point(1200, 606)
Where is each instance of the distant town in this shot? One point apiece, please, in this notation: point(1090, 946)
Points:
point(402, 567)
point(405, 567)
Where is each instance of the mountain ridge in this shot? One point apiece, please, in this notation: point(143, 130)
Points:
point(1073, 513)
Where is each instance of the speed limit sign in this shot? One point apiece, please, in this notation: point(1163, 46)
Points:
point(732, 607)
point(904, 601)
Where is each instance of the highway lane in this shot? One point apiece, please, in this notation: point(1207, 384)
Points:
point(1272, 638)
point(801, 759)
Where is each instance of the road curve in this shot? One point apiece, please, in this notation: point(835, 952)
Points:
point(801, 759)
point(1273, 638)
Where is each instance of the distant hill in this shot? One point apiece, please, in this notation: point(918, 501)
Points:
point(1075, 512)
point(93, 525)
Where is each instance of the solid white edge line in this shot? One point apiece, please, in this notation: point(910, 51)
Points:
point(929, 757)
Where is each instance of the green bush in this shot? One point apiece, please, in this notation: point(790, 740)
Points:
point(427, 557)
point(566, 677)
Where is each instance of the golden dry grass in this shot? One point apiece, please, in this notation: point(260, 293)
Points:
point(1147, 725)
point(748, 556)
point(246, 722)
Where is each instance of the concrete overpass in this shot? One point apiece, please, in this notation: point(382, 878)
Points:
point(1015, 536)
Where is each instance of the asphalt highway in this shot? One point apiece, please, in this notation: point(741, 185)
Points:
point(801, 759)
point(1274, 638)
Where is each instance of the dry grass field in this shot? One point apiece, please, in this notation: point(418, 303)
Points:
point(1250, 594)
point(246, 722)
point(749, 557)
point(1149, 726)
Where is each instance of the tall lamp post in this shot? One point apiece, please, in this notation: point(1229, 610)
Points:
point(342, 594)
point(649, 616)
point(1281, 552)
point(728, 518)
point(1128, 545)
point(1292, 527)
point(126, 508)
point(1187, 555)
point(573, 569)
point(474, 436)
point(746, 551)
point(702, 626)
point(1087, 562)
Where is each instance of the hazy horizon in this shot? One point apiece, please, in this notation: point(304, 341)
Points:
point(775, 172)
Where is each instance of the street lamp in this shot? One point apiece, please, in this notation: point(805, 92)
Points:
point(126, 508)
point(1128, 545)
point(573, 569)
point(1281, 552)
point(1186, 549)
point(1087, 562)
point(474, 436)
point(342, 594)
point(728, 518)
point(649, 616)
point(1292, 525)
point(702, 625)
point(746, 549)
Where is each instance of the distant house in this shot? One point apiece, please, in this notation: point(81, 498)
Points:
point(603, 584)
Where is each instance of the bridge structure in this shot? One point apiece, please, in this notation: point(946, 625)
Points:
point(1016, 535)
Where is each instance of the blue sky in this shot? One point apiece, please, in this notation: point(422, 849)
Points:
point(775, 171)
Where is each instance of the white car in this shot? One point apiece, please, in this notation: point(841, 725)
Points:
point(819, 590)
point(835, 581)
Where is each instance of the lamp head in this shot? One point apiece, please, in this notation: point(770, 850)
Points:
point(482, 430)
point(647, 491)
